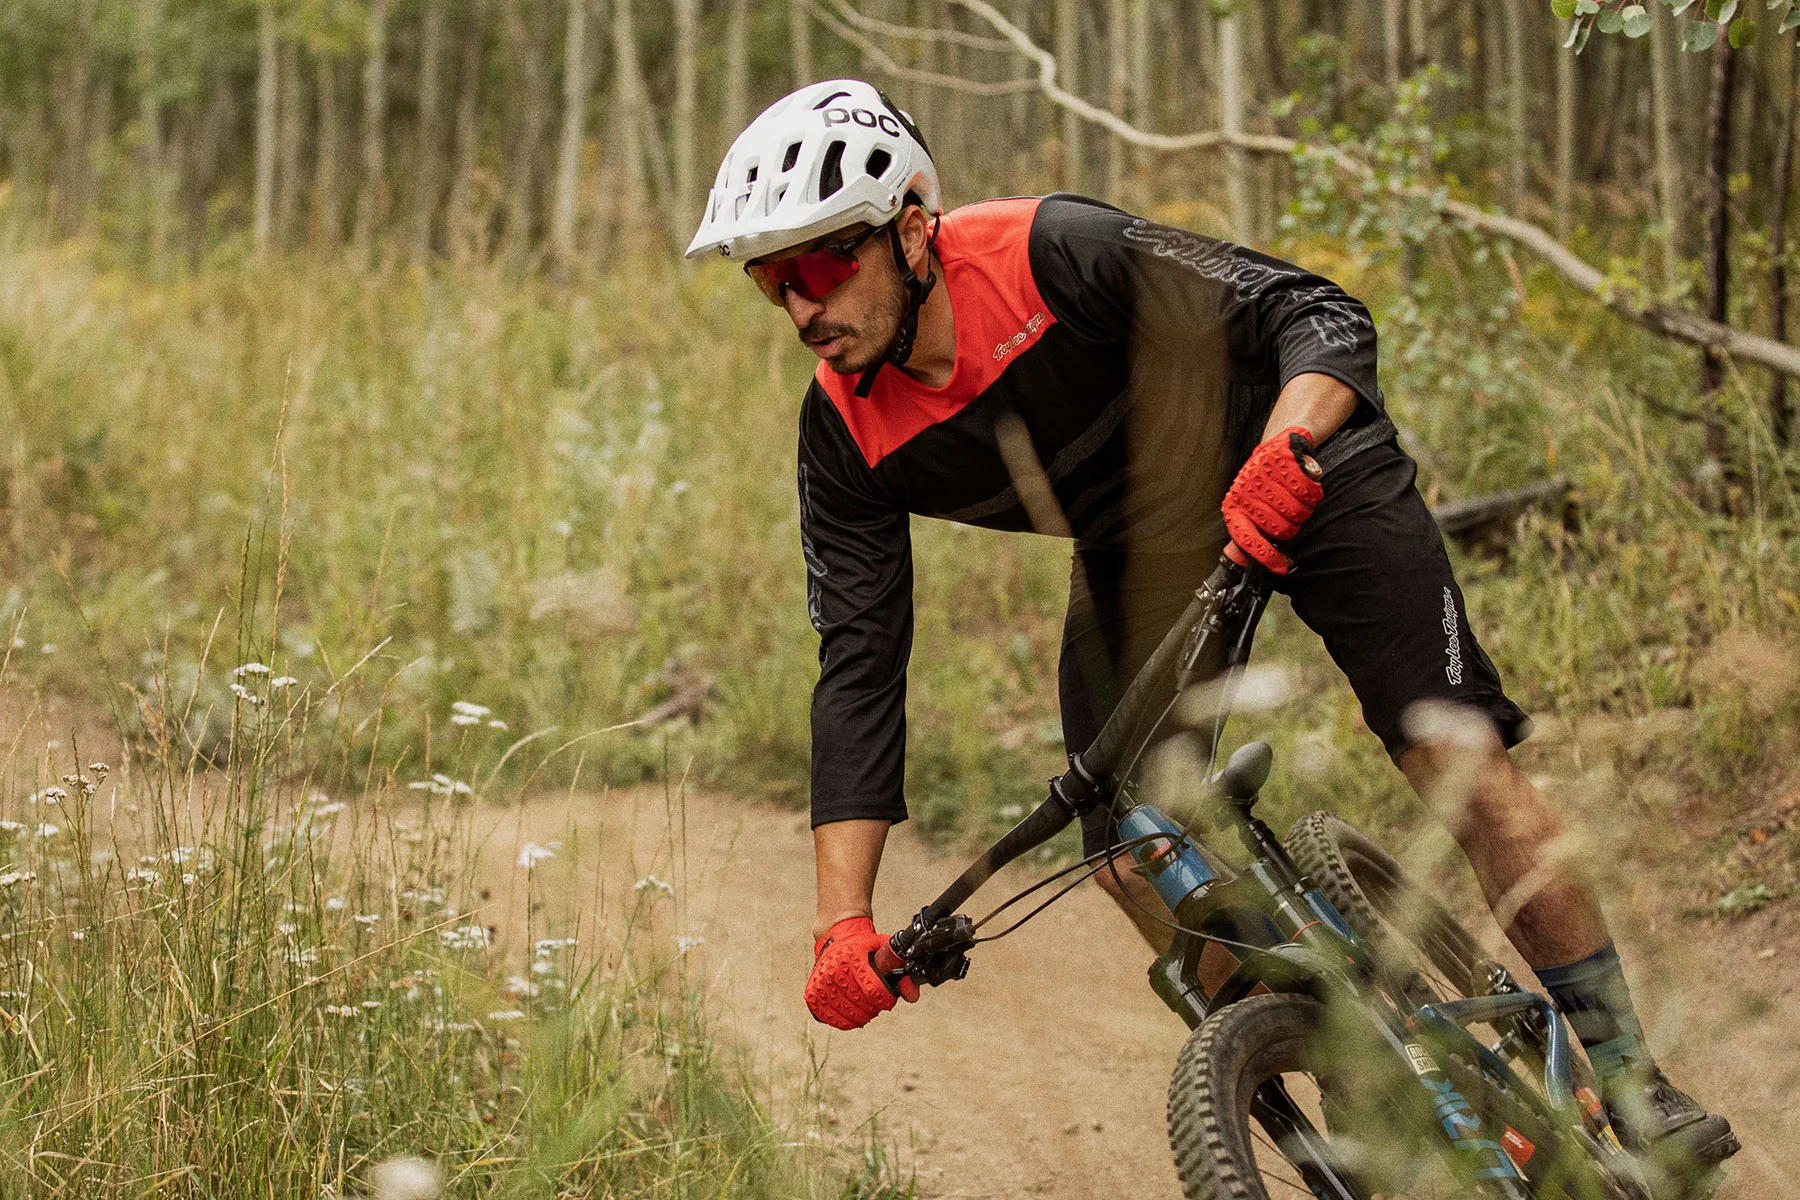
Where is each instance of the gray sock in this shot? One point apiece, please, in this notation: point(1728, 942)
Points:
point(1592, 993)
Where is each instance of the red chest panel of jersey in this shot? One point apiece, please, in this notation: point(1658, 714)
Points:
point(984, 250)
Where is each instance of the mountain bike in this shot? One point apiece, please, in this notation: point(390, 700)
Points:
point(1349, 1039)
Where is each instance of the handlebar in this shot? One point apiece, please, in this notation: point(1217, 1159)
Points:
point(931, 947)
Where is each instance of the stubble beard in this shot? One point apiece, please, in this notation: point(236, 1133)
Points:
point(862, 351)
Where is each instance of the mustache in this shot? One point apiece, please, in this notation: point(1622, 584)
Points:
point(818, 330)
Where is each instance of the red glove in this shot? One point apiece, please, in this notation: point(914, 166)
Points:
point(844, 990)
point(1273, 494)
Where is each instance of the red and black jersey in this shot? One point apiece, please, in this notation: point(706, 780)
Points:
point(1140, 360)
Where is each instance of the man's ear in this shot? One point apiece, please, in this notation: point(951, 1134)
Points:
point(915, 239)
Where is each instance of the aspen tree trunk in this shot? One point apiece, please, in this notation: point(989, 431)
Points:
point(628, 116)
point(525, 44)
point(428, 154)
point(152, 183)
point(374, 128)
point(1781, 417)
point(1662, 120)
point(685, 209)
point(574, 124)
point(288, 187)
point(1392, 15)
point(74, 183)
point(465, 154)
point(800, 37)
point(1068, 54)
point(1231, 121)
point(737, 68)
point(327, 214)
point(1518, 167)
point(1143, 96)
point(1116, 96)
point(268, 110)
point(1418, 35)
point(1566, 108)
point(925, 107)
point(1718, 238)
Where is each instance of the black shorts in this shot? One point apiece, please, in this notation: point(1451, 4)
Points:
point(1370, 577)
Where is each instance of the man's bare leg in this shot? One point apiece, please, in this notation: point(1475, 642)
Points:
point(1507, 829)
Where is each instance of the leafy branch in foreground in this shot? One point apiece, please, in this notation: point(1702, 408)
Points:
point(1718, 19)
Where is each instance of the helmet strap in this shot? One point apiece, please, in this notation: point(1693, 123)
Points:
point(917, 290)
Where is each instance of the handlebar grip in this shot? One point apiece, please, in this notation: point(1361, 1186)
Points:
point(886, 961)
point(1235, 555)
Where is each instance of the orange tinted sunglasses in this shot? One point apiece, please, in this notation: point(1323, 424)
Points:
point(815, 273)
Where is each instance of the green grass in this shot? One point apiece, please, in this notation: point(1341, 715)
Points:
point(568, 499)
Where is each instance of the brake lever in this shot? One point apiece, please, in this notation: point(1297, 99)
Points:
point(934, 955)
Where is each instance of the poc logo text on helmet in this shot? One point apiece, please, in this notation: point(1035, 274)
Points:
point(863, 117)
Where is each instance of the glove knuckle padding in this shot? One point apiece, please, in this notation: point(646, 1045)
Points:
point(844, 989)
point(1272, 497)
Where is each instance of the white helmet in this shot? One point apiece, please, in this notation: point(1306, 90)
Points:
point(827, 156)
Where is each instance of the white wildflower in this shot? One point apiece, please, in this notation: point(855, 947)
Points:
point(78, 935)
point(11, 877)
point(684, 944)
point(463, 708)
point(652, 883)
point(464, 719)
point(282, 681)
point(47, 648)
point(54, 793)
point(506, 1014)
point(343, 1010)
point(250, 668)
point(143, 875)
point(12, 827)
point(335, 904)
point(287, 930)
point(466, 937)
point(47, 830)
point(303, 958)
point(545, 947)
point(178, 855)
point(518, 985)
point(497, 723)
point(245, 694)
point(189, 879)
point(544, 966)
point(329, 810)
point(371, 1004)
point(531, 854)
point(366, 920)
point(99, 768)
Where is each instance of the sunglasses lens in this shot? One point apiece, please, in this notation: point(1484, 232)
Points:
point(813, 274)
point(822, 270)
point(771, 277)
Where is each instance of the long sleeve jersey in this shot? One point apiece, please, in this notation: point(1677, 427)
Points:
point(1141, 362)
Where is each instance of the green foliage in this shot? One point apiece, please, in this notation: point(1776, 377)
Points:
point(1634, 19)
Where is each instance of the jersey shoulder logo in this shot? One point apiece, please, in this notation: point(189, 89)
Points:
point(1032, 325)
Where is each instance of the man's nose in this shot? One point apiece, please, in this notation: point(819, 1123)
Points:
point(800, 310)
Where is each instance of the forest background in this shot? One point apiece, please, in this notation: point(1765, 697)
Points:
point(348, 339)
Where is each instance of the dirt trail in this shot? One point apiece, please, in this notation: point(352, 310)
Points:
point(1043, 1073)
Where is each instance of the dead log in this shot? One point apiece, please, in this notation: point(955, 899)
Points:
point(1470, 518)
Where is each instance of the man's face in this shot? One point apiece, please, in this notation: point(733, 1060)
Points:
point(855, 323)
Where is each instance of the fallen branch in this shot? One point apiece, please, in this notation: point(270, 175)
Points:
point(1661, 319)
point(1462, 518)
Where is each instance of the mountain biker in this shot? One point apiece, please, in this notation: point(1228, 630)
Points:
point(1058, 364)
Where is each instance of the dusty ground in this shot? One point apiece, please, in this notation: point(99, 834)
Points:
point(1043, 1073)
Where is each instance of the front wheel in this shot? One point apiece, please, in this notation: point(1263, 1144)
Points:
point(1266, 1105)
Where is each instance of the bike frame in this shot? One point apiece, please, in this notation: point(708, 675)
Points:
point(1263, 926)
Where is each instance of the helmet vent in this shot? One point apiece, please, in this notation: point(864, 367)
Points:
point(750, 176)
point(878, 162)
point(791, 157)
point(831, 171)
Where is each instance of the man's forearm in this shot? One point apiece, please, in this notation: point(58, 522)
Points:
point(849, 855)
point(1321, 403)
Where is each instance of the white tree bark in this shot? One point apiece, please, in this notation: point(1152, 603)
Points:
point(737, 68)
point(428, 156)
point(374, 126)
point(327, 207)
point(268, 109)
point(1565, 140)
point(1068, 55)
point(574, 125)
point(1231, 122)
point(1118, 95)
point(628, 114)
point(800, 35)
point(685, 209)
point(1662, 119)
